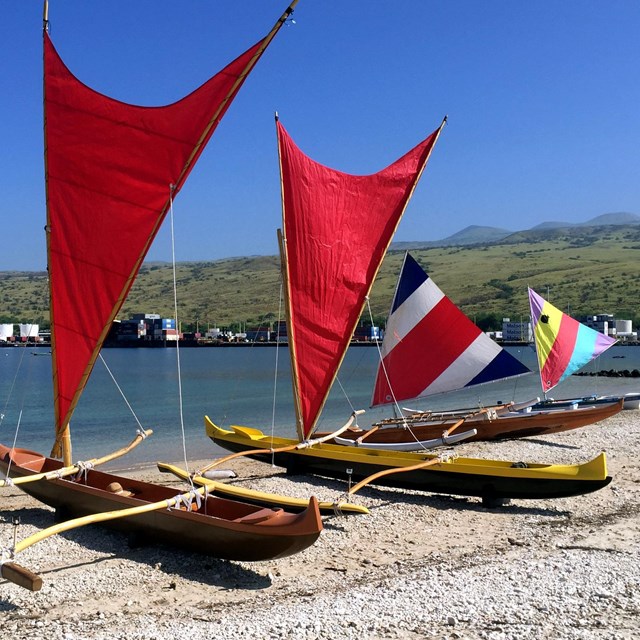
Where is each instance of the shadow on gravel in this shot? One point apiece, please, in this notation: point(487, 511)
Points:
point(388, 496)
point(557, 445)
point(443, 502)
point(113, 545)
point(37, 517)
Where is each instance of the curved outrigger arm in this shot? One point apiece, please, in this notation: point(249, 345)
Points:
point(420, 465)
point(305, 444)
point(25, 578)
point(387, 472)
point(79, 466)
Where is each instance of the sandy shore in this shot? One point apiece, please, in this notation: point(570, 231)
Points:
point(419, 566)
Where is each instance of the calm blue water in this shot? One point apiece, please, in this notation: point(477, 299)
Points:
point(232, 386)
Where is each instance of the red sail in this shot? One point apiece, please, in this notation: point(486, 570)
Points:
point(337, 228)
point(109, 171)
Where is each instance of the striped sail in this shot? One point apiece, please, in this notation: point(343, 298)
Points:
point(563, 344)
point(431, 347)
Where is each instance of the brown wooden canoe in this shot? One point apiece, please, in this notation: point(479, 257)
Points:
point(491, 425)
point(220, 527)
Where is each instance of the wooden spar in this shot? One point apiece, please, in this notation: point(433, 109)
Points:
point(240, 493)
point(21, 576)
point(388, 472)
point(69, 470)
point(62, 444)
point(453, 427)
point(284, 271)
point(59, 444)
point(291, 447)
point(367, 434)
point(65, 441)
point(284, 274)
point(239, 80)
point(29, 580)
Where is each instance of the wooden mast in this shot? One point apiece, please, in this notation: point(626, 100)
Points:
point(62, 445)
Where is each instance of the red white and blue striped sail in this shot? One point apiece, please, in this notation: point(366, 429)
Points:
point(431, 347)
point(563, 344)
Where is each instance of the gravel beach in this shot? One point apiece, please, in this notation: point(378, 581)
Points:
point(419, 566)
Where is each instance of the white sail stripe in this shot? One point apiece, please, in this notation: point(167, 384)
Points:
point(402, 321)
point(466, 367)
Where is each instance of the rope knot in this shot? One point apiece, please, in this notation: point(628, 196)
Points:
point(83, 470)
point(187, 500)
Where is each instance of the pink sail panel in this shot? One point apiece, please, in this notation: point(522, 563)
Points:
point(337, 228)
point(109, 171)
point(563, 345)
point(431, 347)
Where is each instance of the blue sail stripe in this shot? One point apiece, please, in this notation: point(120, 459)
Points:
point(411, 278)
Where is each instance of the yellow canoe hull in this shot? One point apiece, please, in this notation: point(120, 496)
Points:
point(488, 479)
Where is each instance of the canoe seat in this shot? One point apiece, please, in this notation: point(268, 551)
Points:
point(260, 516)
point(248, 432)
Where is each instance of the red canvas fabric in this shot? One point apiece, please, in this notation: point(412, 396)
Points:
point(109, 167)
point(337, 229)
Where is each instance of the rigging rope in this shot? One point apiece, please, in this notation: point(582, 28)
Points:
point(11, 388)
point(397, 407)
point(175, 309)
point(22, 400)
point(124, 397)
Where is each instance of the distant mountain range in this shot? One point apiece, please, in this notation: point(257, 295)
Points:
point(475, 234)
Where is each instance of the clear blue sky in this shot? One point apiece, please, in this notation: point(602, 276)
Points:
point(542, 97)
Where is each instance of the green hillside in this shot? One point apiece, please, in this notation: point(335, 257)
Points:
point(586, 270)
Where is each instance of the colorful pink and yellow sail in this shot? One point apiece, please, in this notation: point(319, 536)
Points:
point(563, 344)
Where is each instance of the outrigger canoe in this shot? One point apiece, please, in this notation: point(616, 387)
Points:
point(217, 526)
point(413, 430)
point(491, 480)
